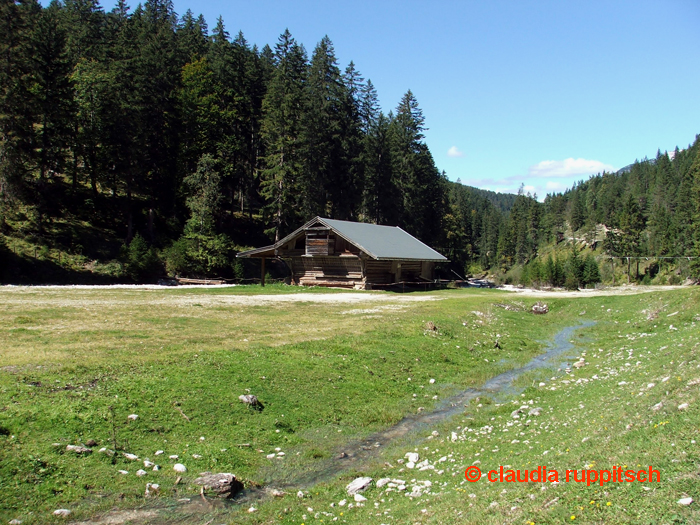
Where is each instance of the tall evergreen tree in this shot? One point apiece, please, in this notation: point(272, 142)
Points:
point(283, 108)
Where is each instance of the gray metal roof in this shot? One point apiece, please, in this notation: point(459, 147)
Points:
point(379, 242)
point(383, 242)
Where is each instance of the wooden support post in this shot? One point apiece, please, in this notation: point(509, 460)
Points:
point(612, 265)
point(262, 271)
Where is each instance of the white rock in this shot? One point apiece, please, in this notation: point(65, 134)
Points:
point(359, 498)
point(300, 494)
point(432, 381)
point(382, 482)
point(64, 513)
point(410, 464)
point(196, 456)
point(657, 406)
point(147, 463)
point(683, 406)
point(132, 417)
point(179, 467)
point(132, 457)
point(270, 456)
point(141, 473)
point(543, 384)
point(358, 485)
point(201, 438)
point(280, 454)
point(342, 502)
point(159, 452)
point(252, 509)
point(412, 456)
point(15, 522)
point(156, 468)
point(685, 501)
point(174, 456)
point(123, 472)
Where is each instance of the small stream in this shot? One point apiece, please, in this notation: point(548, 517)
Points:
point(357, 452)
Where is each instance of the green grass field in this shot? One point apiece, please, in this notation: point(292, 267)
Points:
point(333, 368)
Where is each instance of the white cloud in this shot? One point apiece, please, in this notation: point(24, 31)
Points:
point(568, 168)
point(454, 152)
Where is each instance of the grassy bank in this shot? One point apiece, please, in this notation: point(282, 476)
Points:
point(76, 363)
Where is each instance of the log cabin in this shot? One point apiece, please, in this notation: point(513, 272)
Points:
point(329, 252)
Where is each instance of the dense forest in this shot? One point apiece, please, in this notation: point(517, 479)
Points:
point(137, 143)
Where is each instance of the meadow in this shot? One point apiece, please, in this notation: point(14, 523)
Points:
point(332, 369)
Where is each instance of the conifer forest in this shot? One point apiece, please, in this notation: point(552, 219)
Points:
point(136, 143)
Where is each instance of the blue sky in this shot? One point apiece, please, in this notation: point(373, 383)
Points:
point(542, 93)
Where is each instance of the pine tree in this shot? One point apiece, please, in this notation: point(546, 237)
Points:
point(53, 97)
point(16, 100)
point(282, 112)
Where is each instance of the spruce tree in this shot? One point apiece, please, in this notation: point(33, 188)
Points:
point(281, 130)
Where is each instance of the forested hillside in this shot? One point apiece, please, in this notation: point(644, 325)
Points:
point(135, 143)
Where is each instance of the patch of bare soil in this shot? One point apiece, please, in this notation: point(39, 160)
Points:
point(601, 292)
point(121, 517)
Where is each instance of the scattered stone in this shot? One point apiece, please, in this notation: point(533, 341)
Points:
point(535, 411)
point(358, 485)
point(249, 399)
point(580, 363)
point(540, 308)
point(151, 489)
point(224, 485)
point(63, 513)
point(382, 482)
point(432, 381)
point(685, 501)
point(300, 494)
point(140, 473)
point(123, 472)
point(277, 493)
point(359, 498)
point(179, 467)
point(91, 443)
point(543, 384)
point(78, 449)
point(657, 406)
point(159, 452)
point(156, 468)
point(683, 406)
point(132, 417)
point(132, 457)
point(270, 456)
point(412, 456)
point(147, 463)
point(174, 456)
point(196, 456)
point(252, 509)
point(15, 522)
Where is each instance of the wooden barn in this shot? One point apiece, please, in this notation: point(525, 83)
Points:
point(328, 252)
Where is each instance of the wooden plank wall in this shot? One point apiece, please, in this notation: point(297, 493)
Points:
point(378, 272)
point(318, 243)
point(326, 271)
